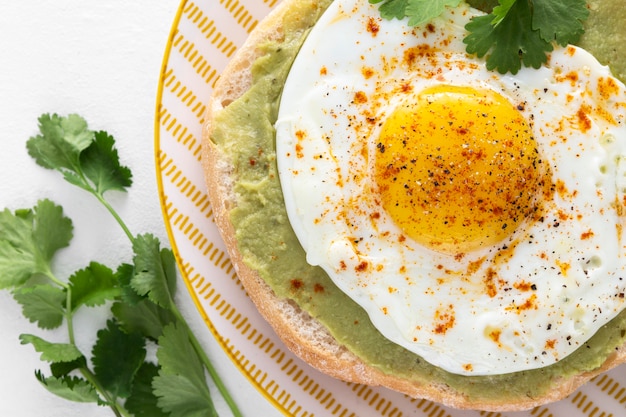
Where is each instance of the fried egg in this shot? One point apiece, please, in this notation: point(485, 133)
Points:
point(477, 217)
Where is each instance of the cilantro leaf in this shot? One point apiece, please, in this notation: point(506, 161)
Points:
point(145, 318)
point(60, 369)
point(42, 304)
point(501, 10)
point(390, 9)
point(514, 33)
point(116, 358)
point(52, 352)
point(51, 229)
point(124, 275)
point(560, 21)
point(481, 35)
point(181, 385)
point(29, 239)
point(142, 402)
point(101, 164)
point(420, 12)
point(177, 356)
point(61, 141)
point(510, 43)
point(70, 388)
point(483, 5)
point(93, 286)
point(181, 398)
point(155, 270)
point(86, 159)
point(17, 263)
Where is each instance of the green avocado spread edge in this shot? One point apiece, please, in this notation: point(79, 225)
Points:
point(244, 134)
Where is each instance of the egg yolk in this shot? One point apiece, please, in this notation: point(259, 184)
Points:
point(457, 168)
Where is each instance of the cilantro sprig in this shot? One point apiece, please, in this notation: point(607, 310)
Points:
point(116, 373)
point(418, 11)
point(514, 33)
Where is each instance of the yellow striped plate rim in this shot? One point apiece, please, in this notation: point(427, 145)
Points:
point(204, 36)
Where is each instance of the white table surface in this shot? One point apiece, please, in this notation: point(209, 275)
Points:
point(101, 60)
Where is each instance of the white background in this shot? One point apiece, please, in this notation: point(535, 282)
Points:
point(101, 60)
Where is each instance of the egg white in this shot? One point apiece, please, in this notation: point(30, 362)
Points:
point(558, 280)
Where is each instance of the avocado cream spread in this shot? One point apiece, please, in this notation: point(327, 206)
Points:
point(244, 133)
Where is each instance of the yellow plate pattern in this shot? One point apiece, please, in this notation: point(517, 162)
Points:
point(204, 35)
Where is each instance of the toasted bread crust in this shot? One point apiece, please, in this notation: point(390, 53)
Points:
point(301, 333)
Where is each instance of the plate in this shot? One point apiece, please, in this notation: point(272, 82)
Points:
point(204, 36)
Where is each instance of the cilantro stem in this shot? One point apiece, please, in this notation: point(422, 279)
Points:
point(118, 410)
point(50, 275)
point(69, 315)
point(68, 304)
point(192, 338)
point(114, 214)
point(96, 192)
point(85, 371)
point(174, 309)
